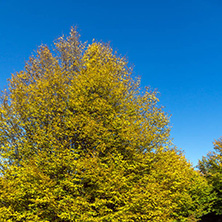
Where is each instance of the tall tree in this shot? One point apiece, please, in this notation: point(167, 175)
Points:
point(81, 142)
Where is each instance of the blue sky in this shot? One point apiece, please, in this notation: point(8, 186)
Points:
point(175, 46)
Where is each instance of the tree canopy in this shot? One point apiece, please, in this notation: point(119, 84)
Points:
point(211, 167)
point(80, 141)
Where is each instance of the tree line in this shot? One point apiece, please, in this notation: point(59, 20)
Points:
point(80, 141)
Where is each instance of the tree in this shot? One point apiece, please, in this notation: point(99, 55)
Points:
point(81, 142)
point(211, 167)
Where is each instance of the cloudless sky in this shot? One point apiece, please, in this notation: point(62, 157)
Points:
point(175, 46)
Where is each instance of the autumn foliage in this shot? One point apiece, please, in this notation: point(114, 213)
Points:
point(81, 142)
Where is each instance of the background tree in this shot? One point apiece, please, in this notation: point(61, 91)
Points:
point(81, 142)
point(211, 167)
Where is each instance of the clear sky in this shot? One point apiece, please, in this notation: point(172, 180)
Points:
point(175, 46)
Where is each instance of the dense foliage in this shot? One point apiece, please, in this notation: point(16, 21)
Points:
point(211, 167)
point(80, 142)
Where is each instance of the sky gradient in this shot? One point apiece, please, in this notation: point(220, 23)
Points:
point(174, 46)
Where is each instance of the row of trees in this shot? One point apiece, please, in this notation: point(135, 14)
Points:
point(80, 141)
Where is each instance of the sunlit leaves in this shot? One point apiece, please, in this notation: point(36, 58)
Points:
point(80, 141)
